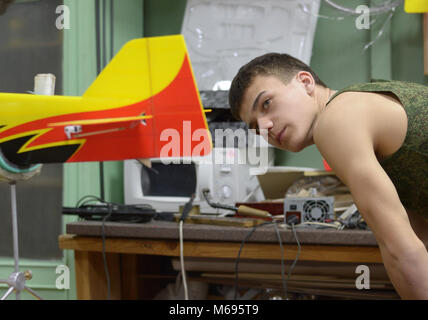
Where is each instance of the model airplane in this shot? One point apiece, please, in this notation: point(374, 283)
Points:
point(144, 104)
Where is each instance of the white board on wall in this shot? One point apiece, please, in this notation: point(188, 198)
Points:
point(221, 35)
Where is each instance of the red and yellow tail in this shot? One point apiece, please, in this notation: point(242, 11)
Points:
point(144, 104)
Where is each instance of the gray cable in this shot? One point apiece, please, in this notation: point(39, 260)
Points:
point(239, 254)
point(297, 255)
point(284, 282)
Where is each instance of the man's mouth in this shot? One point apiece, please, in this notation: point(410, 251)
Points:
point(279, 135)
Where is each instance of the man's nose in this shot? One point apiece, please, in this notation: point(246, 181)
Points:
point(264, 124)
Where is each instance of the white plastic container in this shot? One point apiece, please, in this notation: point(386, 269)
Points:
point(44, 84)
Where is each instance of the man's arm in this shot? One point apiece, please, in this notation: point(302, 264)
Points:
point(344, 135)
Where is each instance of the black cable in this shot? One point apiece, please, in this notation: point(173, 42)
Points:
point(239, 254)
point(105, 218)
point(284, 282)
point(187, 208)
point(205, 193)
point(297, 254)
point(104, 252)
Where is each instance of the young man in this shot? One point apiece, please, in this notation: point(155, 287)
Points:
point(373, 136)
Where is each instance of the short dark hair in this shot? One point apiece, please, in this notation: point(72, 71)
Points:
point(280, 65)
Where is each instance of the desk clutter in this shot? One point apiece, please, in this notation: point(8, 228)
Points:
point(311, 202)
point(315, 199)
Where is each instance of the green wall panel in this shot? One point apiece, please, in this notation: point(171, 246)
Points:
point(163, 17)
point(407, 52)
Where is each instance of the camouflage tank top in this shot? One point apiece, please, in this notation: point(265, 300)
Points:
point(408, 166)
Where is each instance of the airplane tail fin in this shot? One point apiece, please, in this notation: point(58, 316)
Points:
point(156, 73)
point(141, 69)
point(144, 104)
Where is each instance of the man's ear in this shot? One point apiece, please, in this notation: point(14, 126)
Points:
point(307, 80)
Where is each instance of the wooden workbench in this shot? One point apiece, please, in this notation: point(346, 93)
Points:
point(125, 242)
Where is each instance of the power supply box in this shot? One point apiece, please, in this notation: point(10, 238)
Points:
point(309, 209)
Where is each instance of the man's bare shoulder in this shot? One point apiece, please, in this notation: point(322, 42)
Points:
point(345, 136)
point(378, 117)
point(345, 113)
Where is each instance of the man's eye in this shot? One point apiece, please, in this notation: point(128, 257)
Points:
point(266, 104)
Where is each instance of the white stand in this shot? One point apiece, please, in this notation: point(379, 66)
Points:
point(44, 84)
point(16, 280)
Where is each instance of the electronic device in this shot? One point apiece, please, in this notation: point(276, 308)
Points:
point(170, 182)
point(309, 209)
point(114, 212)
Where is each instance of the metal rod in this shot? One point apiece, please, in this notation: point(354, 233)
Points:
point(33, 293)
point(15, 231)
point(8, 292)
